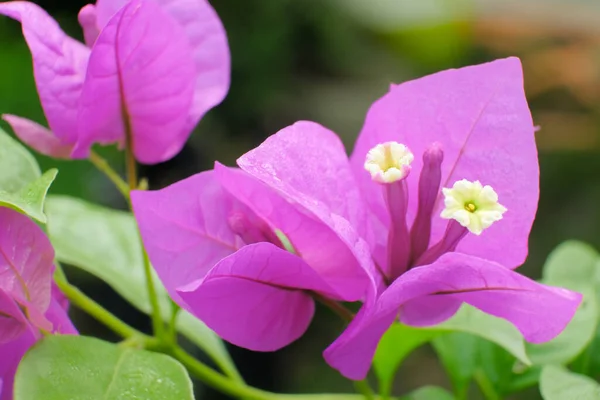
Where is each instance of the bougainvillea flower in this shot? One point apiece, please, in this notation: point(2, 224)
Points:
point(448, 164)
point(29, 302)
point(212, 238)
point(155, 69)
point(157, 89)
point(59, 65)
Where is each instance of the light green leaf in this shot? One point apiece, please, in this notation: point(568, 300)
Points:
point(400, 340)
point(497, 330)
point(17, 166)
point(397, 343)
point(571, 262)
point(78, 367)
point(457, 352)
point(106, 243)
point(429, 393)
point(573, 265)
point(22, 186)
point(558, 383)
point(30, 198)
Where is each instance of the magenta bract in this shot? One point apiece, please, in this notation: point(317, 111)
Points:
point(59, 65)
point(156, 89)
point(219, 227)
point(28, 299)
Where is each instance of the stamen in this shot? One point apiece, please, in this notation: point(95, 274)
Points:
point(389, 162)
point(474, 206)
point(429, 186)
point(396, 198)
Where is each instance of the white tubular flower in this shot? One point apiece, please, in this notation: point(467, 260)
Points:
point(474, 206)
point(389, 162)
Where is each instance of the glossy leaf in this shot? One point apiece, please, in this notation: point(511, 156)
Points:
point(400, 339)
point(397, 343)
point(457, 352)
point(558, 383)
point(106, 244)
point(573, 265)
point(69, 367)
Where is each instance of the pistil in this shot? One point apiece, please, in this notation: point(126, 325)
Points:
point(429, 186)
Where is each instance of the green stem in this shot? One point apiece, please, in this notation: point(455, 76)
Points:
point(157, 322)
point(172, 327)
point(131, 166)
point(130, 163)
point(218, 381)
point(82, 301)
point(486, 386)
point(103, 166)
point(363, 388)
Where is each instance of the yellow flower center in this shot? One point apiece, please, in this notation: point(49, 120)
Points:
point(473, 205)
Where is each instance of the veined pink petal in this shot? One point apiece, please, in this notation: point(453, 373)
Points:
point(12, 352)
point(208, 42)
point(59, 65)
point(480, 116)
point(307, 164)
point(256, 297)
point(141, 75)
point(58, 315)
point(540, 312)
point(38, 137)
point(332, 248)
point(12, 320)
point(184, 228)
point(26, 258)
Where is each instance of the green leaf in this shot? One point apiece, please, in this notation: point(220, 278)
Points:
point(397, 343)
point(429, 393)
point(22, 186)
point(17, 166)
point(457, 352)
point(78, 367)
point(558, 383)
point(106, 243)
point(497, 330)
point(30, 198)
point(573, 265)
point(400, 340)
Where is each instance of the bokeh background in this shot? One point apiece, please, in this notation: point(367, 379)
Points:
point(328, 60)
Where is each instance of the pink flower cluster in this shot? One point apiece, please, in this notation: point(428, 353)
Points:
point(214, 238)
point(248, 250)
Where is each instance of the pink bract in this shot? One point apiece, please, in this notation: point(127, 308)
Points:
point(158, 88)
point(220, 227)
point(59, 65)
point(29, 301)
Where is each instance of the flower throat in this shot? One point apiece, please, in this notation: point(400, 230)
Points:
point(469, 206)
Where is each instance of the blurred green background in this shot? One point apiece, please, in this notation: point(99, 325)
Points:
point(328, 60)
